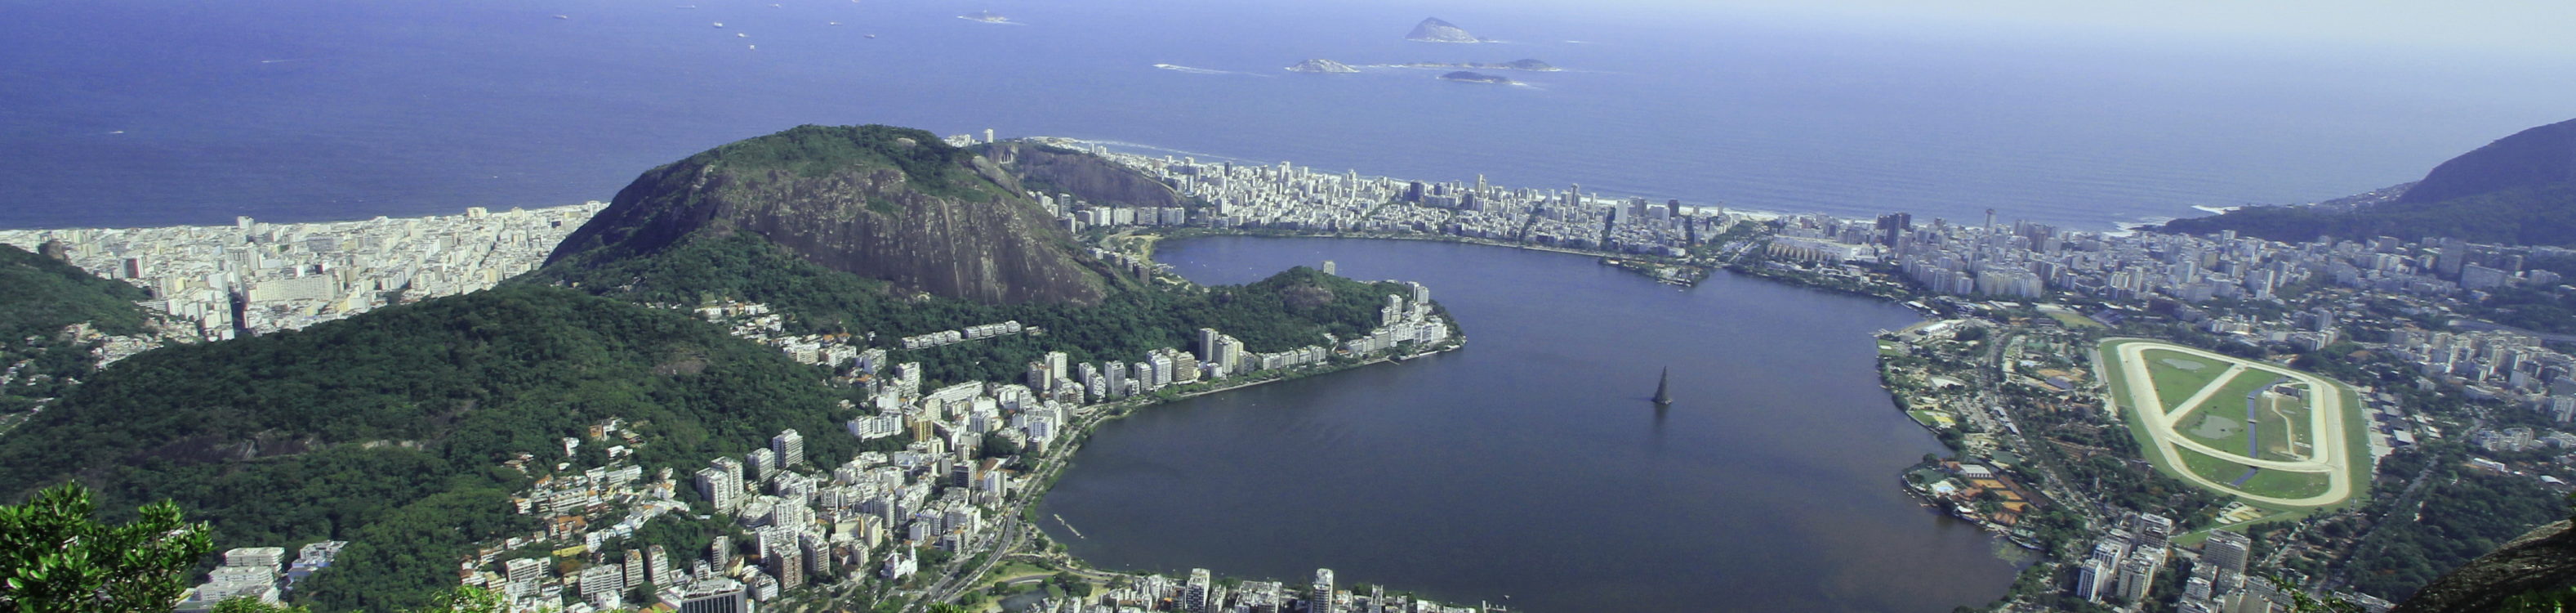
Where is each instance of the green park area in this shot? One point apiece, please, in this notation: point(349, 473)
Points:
point(2281, 424)
point(2178, 375)
point(2224, 412)
point(2273, 483)
point(2073, 320)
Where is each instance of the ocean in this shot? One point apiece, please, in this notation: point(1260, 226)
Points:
point(149, 112)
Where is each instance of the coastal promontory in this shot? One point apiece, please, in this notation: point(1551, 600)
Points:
point(2520, 189)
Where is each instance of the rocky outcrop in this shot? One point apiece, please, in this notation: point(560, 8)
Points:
point(1433, 30)
point(1090, 178)
point(880, 202)
point(1322, 66)
point(2543, 559)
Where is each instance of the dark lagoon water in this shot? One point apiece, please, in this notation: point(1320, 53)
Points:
point(153, 112)
point(1528, 468)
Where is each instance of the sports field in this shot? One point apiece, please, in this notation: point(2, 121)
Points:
point(2241, 427)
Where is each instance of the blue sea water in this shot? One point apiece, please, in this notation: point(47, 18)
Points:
point(153, 112)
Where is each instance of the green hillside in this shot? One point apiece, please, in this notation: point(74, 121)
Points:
point(2520, 189)
point(388, 429)
point(2519, 216)
point(885, 203)
point(45, 295)
point(41, 297)
point(1289, 310)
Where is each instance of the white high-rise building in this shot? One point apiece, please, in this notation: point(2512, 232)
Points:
point(524, 573)
point(790, 447)
point(1322, 599)
point(1208, 345)
point(720, 486)
point(657, 566)
point(762, 463)
point(2226, 550)
point(1194, 596)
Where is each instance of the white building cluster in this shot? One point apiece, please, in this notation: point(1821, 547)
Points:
point(1201, 593)
point(969, 333)
point(253, 573)
point(1288, 197)
point(261, 277)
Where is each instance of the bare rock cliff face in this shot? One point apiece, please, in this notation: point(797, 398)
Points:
point(882, 203)
point(1054, 170)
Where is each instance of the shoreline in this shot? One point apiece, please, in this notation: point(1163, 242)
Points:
point(1920, 495)
point(1055, 462)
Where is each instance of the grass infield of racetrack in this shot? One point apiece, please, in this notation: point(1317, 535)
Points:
point(2175, 384)
point(2229, 404)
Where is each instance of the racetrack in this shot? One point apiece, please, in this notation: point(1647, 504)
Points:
point(2326, 425)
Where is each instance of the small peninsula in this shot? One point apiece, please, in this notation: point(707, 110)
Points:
point(1433, 30)
point(1321, 66)
point(1477, 77)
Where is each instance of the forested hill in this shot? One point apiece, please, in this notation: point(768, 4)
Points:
point(38, 298)
point(44, 295)
point(389, 429)
point(1295, 308)
point(885, 203)
point(2518, 190)
point(2532, 159)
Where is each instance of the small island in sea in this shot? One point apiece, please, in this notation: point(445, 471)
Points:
point(1522, 64)
point(1322, 66)
point(1477, 77)
point(1433, 30)
point(985, 16)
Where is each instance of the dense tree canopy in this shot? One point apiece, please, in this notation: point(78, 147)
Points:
point(388, 429)
point(1292, 309)
point(2466, 513)
point(55, 557)
point(41, 297)
point(2525, 216)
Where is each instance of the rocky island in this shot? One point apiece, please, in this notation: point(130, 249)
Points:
point(1321, 66)
point(1477, 77)
point(1433, 30)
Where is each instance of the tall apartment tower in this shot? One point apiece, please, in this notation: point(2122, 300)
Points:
point(1322, 602)
point(1194, 597)
point(657, 566)
point(790, 447)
